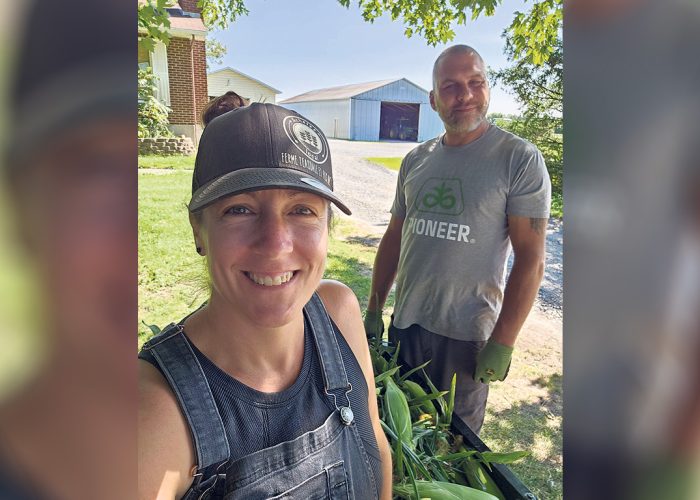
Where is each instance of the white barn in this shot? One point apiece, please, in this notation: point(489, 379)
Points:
point(395, 109)
point(222, 80)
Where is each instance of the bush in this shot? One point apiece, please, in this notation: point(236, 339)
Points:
point(153, 114)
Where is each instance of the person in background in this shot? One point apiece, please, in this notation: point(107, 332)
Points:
point(461, 200)
point(220, 105)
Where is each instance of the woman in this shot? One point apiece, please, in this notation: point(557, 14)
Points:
point(261, 393)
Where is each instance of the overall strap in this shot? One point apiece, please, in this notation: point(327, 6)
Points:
point(335, 377)
point(182, 369)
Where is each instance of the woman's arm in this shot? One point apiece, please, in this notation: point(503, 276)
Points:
point(166, 453)
point(341, 303)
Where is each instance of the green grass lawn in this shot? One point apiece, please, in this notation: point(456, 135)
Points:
point(390, 163)
point(172, 283)
point(171, 162)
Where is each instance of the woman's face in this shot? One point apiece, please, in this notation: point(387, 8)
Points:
point(266, 251)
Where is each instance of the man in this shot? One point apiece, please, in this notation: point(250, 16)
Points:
point(460, 199)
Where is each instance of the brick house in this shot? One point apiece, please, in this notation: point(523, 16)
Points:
point(181, 68)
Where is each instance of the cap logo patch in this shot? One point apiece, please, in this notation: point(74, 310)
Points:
point(307, 138)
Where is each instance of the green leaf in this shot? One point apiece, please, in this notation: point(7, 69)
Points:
point(154, 328)
point(413, 370)
point(383, 376)
point(451, 399)
point(440, 401)
point(428, 397)
point(503, 458)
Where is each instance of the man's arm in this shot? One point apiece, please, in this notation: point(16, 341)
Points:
point(385, 264)
point(527, 235)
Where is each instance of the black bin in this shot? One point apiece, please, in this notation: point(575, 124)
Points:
point(511, 486)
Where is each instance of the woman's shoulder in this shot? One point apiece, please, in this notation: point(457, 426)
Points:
point(166, 453)
point(342, 306)
point(341, 303)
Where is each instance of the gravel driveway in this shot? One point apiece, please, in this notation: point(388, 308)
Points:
point(368, 189)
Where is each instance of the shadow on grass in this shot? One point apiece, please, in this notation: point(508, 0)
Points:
point(352, 272)
point(536, 427)
point(553, 384)
point(366, 241)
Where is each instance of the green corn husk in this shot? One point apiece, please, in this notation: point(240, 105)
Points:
point(413, 370)
point(451, 399)
point(385, 375)
point(399, 417)
point(478, 478)
point(379, 364)
point(441, 401)
point(439, 490)
point(502, 458)
point(421, 398)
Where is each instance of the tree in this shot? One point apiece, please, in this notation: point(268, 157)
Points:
point(538, 86)
point(215, 51)
point(533, 32)
point(153, 20)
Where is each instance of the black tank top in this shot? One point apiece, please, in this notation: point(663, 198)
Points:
point(254, 420)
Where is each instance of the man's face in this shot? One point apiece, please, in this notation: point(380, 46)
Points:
point(460, 92)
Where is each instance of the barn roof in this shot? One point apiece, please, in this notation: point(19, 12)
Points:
point(342, 92)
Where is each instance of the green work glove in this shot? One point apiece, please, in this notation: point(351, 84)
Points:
point(374, 324)
point(492, 362)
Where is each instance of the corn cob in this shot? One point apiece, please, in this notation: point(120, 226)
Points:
point(438, 490)
point(478, 478)
point(416, 391)
point(399, 417)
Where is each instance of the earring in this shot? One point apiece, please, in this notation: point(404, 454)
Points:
point(199, 250)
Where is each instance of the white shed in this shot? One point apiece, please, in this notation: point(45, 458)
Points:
point(222, 80)
point(395, 109)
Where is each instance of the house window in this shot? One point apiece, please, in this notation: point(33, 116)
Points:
point(159, 63)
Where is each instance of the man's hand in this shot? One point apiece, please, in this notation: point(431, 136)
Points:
point(492, 362)
point(374, 324)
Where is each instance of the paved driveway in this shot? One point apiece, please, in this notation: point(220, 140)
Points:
point(367, 188)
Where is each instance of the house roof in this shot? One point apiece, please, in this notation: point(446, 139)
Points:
point(229, 68)
point(342, 92)
point(187, 23)
point(181, 21)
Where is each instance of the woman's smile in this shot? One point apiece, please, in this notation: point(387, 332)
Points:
point(270, 279)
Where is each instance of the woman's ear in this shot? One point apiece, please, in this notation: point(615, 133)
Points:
point(196, 232)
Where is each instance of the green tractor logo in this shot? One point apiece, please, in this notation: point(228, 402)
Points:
point(441, 196)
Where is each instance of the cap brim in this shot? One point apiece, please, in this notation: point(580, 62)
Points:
point(254, 179)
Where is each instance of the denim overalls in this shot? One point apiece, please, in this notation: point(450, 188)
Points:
point(329, 462)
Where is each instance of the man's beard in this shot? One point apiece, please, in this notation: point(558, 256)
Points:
point(465, 124)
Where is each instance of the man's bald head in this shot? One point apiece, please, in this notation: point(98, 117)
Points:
point(455, 49)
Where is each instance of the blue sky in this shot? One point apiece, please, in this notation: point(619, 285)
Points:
point(301, 45)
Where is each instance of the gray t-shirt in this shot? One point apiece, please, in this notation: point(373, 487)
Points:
point(454, 244)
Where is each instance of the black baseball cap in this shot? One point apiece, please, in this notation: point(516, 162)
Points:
point(261, 146)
